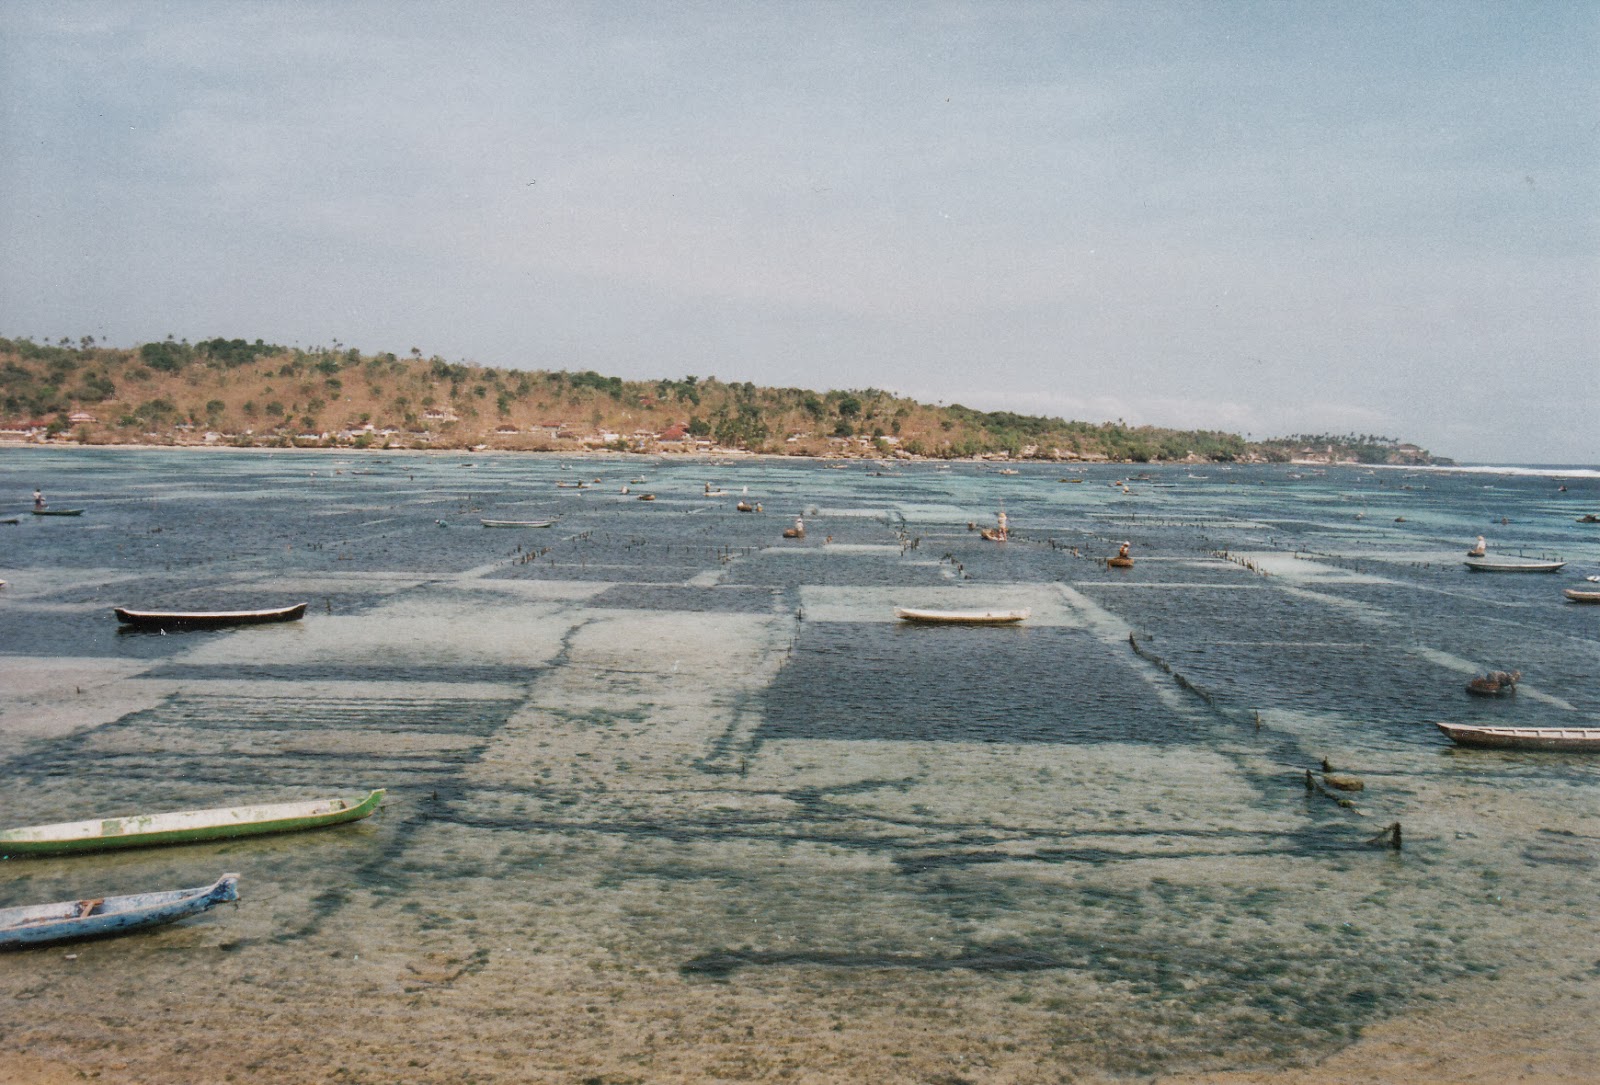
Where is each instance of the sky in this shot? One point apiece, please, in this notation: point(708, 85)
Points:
point(1295, 216)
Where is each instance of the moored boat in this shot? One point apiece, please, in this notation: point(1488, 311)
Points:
point(185, 826)
point(1524, 738)
point(1512, 565)
point(1578, 595)
point(58, 512)
point(961, 617)
point(207, 619)
point(68, 920)
point(516, 523)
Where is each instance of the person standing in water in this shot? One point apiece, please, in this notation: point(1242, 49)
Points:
point(38, 499)
point(1001, 531)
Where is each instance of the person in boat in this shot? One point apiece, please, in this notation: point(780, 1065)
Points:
point(38, 499)
point(1480, 548)
point(1122, 551)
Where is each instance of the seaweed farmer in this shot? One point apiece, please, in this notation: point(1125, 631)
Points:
point(1479, 549)
point(1001, 529)
point(38, 499)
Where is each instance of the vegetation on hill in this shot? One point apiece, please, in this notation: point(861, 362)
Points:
point(229, 391)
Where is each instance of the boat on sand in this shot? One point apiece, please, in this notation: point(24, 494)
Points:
point(1524, 738)
point(68, 920)
point(185, 826)
point(207, 619)
point(961, 617)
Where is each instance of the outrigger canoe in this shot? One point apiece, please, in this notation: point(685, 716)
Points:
point(1512, 565)
point(185, 826)
point(39, 924)
point(516, 523)
point(1524, 738)
point(207, 619)
point(961, 617)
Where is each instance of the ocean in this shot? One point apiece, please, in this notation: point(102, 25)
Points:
point(673, 798)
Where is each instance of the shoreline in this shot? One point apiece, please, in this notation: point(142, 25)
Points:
point(872, 456)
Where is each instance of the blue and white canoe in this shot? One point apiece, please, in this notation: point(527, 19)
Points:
point(39, 924)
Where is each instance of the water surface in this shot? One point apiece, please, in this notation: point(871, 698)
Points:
point(673, 798)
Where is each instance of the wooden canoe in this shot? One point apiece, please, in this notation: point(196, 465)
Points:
point(185, 826)
point(1512, 565)
point(1578, 595)
point(516, 523)
point(961, 617)
point(68, 920)
point(1524, 738)
point(207, 619)
point(58, 512)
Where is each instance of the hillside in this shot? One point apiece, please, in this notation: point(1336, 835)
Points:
point(230, 392)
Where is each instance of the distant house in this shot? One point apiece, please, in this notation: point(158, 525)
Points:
point(439, 414)
point(673, 433)
point(77, 417)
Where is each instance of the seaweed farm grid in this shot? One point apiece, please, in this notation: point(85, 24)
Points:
point(672, 797)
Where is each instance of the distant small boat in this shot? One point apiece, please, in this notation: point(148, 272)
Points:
point(516, 523)
point(961, 617)
point(69, 920)
point(207, 619)
point(1007, 471)
point(1495, 684)
point(1120, 563)
point(1512, 565)
point(647, 497)
point(1588, 518)
point(1524, 738)
point(1578, 595)
point(184, 826)
point(58, 512)
point(994, 534)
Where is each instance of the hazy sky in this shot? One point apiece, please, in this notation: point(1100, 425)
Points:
point(1268, 217)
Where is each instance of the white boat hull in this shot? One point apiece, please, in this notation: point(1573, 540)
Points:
point(961, 617)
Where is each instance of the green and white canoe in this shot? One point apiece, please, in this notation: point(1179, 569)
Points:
point(185, 826)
